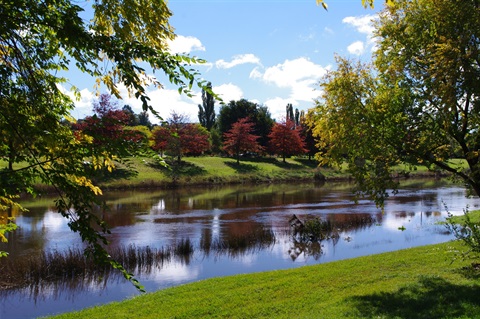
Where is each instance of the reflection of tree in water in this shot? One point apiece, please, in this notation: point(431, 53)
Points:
point(235, 245)
point(72, 271)
point(308, 234)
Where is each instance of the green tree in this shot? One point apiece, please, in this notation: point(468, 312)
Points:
point(259, 116)
point(38, 39)
point(132, 117)
point(206, 111)
point(144, 120)
point(417, 104)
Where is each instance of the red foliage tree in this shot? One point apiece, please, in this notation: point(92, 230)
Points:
point(285, 140)
point(179, 138)
point(194, 139)
point(160, 137)
point(239, 139)
point(106, 127)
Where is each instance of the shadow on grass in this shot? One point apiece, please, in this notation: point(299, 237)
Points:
point(178, 169)
point(430, 297)
point(242, 168)
point(117, 173)
point(307, 162)
point(277, 161)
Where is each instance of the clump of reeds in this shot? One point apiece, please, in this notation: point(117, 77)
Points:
point(255, 240)
point(73, 265)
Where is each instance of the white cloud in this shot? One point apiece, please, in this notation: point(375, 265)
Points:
point(83, 105)
point(328, 31)
point(363, 24)
point(182, 44)
point(356, 48)
point(277, 105)
point(237, 60)
point(228, 92)
point(300, 76)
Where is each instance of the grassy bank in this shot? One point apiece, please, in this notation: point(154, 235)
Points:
point(146, 172)
point(222, 170)
point(414, 283)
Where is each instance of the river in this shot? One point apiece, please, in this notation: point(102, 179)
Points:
point(162, 218)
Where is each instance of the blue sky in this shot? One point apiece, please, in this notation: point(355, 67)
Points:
point(269, 52)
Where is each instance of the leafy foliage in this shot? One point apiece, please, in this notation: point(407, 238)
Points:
point(285, 139)
point(39, 40)
point(467, 231)
point(206, 111)
point(178, 138)
point(240, 139)
point(236, 110)
point(417, 104)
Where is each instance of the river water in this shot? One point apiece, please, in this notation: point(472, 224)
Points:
point(163, 218)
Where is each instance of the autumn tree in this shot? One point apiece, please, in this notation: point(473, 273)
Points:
point(285, 140)
point(107, 129)
point(417, 104)
point(206, 111)
point(240, 139)
point(258, 114)
point(160, 137)
point(116, 42)
point(195, 139)
point(177, 137)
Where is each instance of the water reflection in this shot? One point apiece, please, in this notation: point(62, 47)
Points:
point(214, 220)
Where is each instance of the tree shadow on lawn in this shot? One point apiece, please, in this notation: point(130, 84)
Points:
point(242, 168)
point(428, 298)
point(118, 173)
point(277, 161)
point(180, 169)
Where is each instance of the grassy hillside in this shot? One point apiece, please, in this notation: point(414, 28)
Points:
point(210, 169)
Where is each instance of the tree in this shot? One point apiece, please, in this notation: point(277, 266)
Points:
point(143, 119)
point(178, 138)
point(37, 40)
point(206, 113)
point(259, 115)
point(239, 139)
point(418, 104)
point(195, 139)
point(290, 112)
point(107, 129)
point(285, 140)
point(307, 135)
point(160, 137)
point(132, 117)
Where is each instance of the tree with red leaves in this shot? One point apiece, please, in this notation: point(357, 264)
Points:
point(194, 139)
point(285, 140)
point(160, 137)
point(239, 139)
point(179, 138)
point(106, 128)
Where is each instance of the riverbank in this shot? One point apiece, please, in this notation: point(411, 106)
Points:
point(213, 170)
point(419, 282)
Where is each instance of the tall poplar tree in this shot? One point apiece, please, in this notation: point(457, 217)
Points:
point(206, 111)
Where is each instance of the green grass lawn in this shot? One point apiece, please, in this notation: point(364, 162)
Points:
point(148, 173)
point(210, 170)
point(414, 283)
